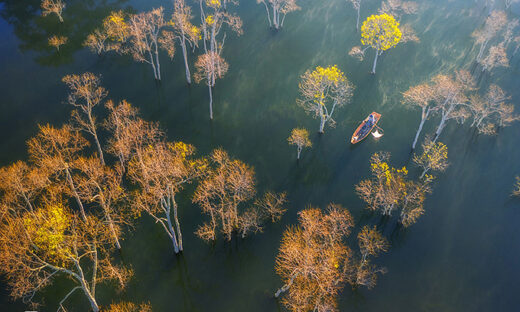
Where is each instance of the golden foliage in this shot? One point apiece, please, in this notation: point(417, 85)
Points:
point(57, 41)
point(129, 307)
point(434, 156)
point(381, 32)
point(300, 138)
point(210, 66)
point(53, 6)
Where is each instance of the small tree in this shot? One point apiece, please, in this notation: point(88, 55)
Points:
point(53, 6)
point(39, 246)
point(57, 41)
point(322, 90)
point(210, 66)
point(434, 157)
point(420, 96)
point(129, 307)
point(300, 138)
point(314, 259)
point(280, 8)
point(371, 244)
point(86, 93)
point(272, 205)
point(380, 32)
point(162, 171)
point(413, 203)
point(96, 41)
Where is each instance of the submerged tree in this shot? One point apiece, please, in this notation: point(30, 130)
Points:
point(228, 184)
point(38, 247)
point(129, 307)
point(85, 94)
point(145, 37)
point(162, 170)
point(434, 157)
point(314, 259)
point(491, 111)
point(357, 6)
point(184, 31)
point(380, 32)
point(280, 8)
point(496, 57)
point(20, 184)
point(324, 89)
point(385, 190)
point(57, 41)
point(494, 24)
point(210, 67)
point(300, 138)
point(371, 244)
point(272, 205)
point(450, 97)
point(53, 7)
point(420, 96)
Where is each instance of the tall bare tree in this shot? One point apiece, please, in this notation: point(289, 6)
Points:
point(85, 94)
point(280, 8)
point(420, 96)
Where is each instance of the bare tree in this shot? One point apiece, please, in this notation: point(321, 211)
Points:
point(272, 205)
point(280, 8)
point(57, 41)
point(491, 111)
point(162, 171)
point(357, 6)
point(184, 31)
point(53, 6)
point(228, 184)
point(371, 244)
point(496, 57)
point(314, 259)
point(494, 24)
point(420, 96)
point(210, 66)
point(300, 138)
point(85, 94)
point(450, 97)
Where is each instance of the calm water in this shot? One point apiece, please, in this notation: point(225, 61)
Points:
point(463, 253)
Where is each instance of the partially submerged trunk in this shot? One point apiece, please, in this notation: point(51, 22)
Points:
point(424, 117)
point(375, 62)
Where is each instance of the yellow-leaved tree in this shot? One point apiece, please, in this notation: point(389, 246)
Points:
point(324, 89)
point(380, 32)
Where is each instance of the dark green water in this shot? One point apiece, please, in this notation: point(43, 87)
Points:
point(463, 253)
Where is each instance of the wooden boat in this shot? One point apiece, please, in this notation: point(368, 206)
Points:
point(361, 133)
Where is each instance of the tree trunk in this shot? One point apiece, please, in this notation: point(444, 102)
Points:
point(210, 102)
point(440, 128)
point(375, 62)
point(275, 18)
point(424, 116)
point(424, 172)
point(172, 232)
point(268, 14)
point(157, 64)
point(113, 230)
point(299, 152)
point(285, 287)
point(357, 23)
point(177, 224)
point(482, 49)
point(322, 124)
point(100, 151)
point(188, 74)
